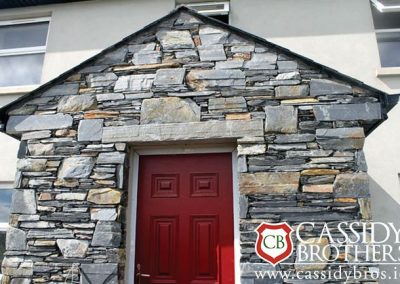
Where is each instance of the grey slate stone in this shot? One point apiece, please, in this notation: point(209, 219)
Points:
point(73, 248)
point(213, 52)
point(36, 135)
point(351, 185)
point(21, 281)
point(103, 214)
point(261, 61)
point(76, 103)
point(113, 57)
point(31, 165)
point(15, 239)
point(183, 131)
point(341, 138)
point(288, 76)
point(361, 161)
point(281, 119)
point(90, 130)
point(287, 65)
point(219, 74)
point(101, 273)
point(131, 83)
point(50, 234)
point(227, 105)
point(147, 57)
point(109, 97)
point(166, 77)
point(169, 110)
point(101, 79)
point(242, 48)
point(111, 158)
point(62, 90)
point(171, 40)
point(141, 47)
point(39, 149)
point(23, 201)
point(24, 123)
point(328, 87)
point(211, 35)
point(76, 167)
point(294, 138)
point(186, 54)
point(230, 64)
point(292, 91)
point(366, 111)
point(243, 206)
point(107, 234)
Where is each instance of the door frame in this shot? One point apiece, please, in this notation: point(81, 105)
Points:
point(134, 155)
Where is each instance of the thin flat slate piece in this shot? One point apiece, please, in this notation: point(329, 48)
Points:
point(366, 111)
point(24, 123)
point(183, 131)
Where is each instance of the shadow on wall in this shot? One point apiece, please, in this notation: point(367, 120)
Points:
point(385, 209)
point(392, 82)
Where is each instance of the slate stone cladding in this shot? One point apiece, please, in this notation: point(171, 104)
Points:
point(300, 131)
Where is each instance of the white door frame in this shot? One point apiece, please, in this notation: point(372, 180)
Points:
point(135, 153)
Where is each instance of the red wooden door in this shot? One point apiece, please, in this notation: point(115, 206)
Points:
point(185, 219)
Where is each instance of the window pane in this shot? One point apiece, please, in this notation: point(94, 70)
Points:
point(385, 20)
point(389, 49)
point(5, 203)
point(24, 35)
point(18, 70)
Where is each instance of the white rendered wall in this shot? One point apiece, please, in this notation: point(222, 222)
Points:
point(337, 33)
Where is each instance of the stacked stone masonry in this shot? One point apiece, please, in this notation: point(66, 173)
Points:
point(299, 130)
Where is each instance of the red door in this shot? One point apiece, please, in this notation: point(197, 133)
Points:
point(185, 219)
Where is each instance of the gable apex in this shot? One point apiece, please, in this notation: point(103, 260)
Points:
point(212, 39)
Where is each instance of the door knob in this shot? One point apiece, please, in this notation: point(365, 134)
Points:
point(139, 274)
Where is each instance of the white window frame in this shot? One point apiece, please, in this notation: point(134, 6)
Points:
point(24, 50)
point(385, 8)
point(211, 12)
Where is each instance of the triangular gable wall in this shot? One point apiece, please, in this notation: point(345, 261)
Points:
point(117, 56)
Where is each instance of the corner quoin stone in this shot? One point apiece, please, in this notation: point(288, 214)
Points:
point(351, 185)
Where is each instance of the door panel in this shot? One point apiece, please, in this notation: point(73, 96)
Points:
point(185, 219)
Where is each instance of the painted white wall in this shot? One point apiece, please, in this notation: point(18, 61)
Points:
point(336, 33)
point(8, 158)
point(77, 31)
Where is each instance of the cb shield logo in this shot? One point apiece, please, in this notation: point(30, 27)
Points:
point(274, 242)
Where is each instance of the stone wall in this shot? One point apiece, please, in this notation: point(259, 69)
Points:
point(299, 130)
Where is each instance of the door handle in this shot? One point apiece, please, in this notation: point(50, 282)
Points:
point(139, 274)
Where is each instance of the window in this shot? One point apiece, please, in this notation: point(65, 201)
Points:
point(216, 10)
point(386, 5)
point(387, 28)
point(22, 49)
point(5, 203)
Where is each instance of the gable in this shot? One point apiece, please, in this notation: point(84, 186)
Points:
point(215, 70)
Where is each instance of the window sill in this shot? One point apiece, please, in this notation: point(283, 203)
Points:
point(388, 71)
point(17, 90)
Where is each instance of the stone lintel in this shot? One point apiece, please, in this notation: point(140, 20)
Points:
point(183, 131)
